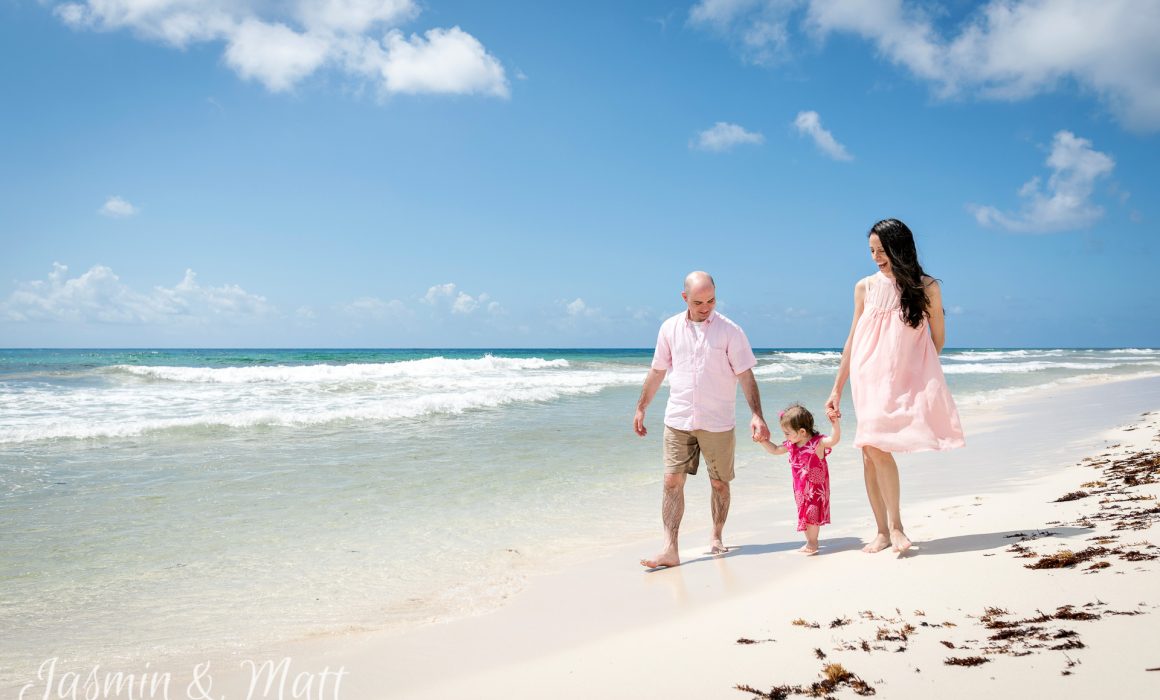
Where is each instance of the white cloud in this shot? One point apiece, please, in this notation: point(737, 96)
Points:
point(118, 208)
point(722, 136)
point(1065, 203)
point(460, 302)
point(464, 303)
point(901, 32)
point(274, 54)
point(353, 16)
point(281, 44)
point(810, 124)
point(1004, 49)
point(759, 28)
point(439, 291)
point(444, 61)
point(1014, 49)
point(99, 296)
point(174, 22)
point(720, 13)
point(189, 297)
point(578, 308)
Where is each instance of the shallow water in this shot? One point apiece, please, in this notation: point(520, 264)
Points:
point(159, 502)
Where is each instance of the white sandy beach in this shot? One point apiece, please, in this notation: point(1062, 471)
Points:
point(605, 628)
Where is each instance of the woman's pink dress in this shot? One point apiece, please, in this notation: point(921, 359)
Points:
point(811, 482)
point(900, 393)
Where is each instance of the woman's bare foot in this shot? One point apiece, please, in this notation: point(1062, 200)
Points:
point(809, 549)
point(879, 543)
point(663, 560)
point(899, 540)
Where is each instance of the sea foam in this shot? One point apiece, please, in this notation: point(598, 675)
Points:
point(146, 399)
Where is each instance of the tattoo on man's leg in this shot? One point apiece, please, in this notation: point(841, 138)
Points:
point(672, 510)
point(720, 501)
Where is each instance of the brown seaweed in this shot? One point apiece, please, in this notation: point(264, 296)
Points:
point(966, 661)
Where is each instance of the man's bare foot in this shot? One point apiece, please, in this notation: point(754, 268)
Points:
point(717, 548)
point(879, 543)
point(809, 549)
point(663, 560)
point(899, 540)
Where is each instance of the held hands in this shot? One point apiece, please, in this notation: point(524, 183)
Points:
point(834, 407)
point(759, 430)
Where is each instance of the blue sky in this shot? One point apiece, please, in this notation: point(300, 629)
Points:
point(394, 173)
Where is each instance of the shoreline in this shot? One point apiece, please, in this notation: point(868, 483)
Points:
point(605, 627)
point(704, 600)
point(602, 626)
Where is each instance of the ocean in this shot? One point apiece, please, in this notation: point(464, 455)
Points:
point(176, 502)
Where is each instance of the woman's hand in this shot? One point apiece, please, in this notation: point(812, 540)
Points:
point(834, 406)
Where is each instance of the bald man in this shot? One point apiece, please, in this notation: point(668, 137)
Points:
point(706, 356)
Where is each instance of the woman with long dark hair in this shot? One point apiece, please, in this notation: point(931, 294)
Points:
point(891, 357)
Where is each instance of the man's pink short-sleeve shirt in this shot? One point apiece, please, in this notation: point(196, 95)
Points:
point(702, 370)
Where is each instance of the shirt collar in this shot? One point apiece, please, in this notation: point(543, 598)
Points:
point(689, 321)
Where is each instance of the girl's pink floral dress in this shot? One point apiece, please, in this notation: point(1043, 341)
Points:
point(811, 482)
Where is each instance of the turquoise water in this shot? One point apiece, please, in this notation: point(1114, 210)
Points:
point(193, 501)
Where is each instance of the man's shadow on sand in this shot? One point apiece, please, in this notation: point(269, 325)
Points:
point(828, 546)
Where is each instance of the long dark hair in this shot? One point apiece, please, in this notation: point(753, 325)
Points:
point(898, 244)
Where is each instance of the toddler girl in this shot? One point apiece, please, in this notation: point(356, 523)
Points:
point(811, 475)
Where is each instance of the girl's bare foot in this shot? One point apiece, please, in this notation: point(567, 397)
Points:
point(879, 543)
point(899, 540)
point(809, 549)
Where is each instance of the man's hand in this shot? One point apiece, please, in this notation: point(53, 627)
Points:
point(652, 382)
point(638, 423)
point(758, 429)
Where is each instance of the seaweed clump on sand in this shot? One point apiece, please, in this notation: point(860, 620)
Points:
point(1068, 612)
point(834, 677)
point(1119, 476)
point(966, 661)
point(1029, 635)
point(1067, 558)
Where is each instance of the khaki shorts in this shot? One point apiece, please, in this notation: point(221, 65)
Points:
point(683, 450)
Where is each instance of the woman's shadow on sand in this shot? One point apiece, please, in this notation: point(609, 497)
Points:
point(828, 546)
point(993, 540)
